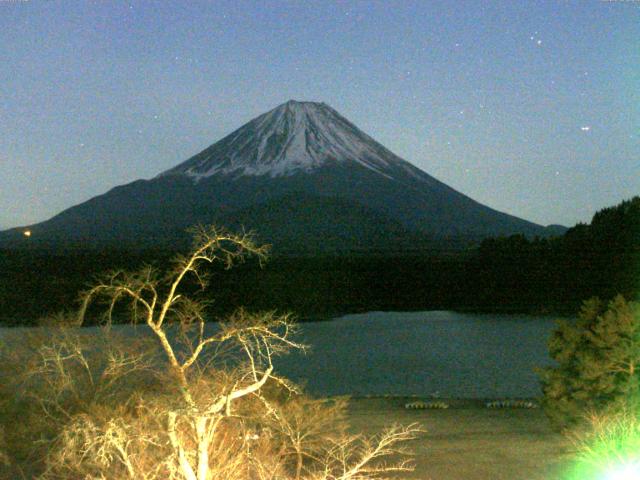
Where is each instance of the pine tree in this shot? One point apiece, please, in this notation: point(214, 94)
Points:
point(598, 358)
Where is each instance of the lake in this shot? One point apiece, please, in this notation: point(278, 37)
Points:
point(436, 353)
point(428, 354)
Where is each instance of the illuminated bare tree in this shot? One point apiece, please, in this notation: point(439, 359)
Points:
point(205, 404)
point(158, 303)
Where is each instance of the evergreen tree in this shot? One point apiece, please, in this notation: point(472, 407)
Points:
point(598, 358)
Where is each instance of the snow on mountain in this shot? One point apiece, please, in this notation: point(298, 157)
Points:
point(292, 138)
point(303, 176)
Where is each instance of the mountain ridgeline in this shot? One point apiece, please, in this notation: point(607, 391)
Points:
point(302, 176)
point(512, 274)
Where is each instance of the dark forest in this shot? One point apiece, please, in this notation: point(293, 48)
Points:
point(506, 274)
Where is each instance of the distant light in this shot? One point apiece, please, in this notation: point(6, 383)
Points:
point(585, 129)
point(27, 233)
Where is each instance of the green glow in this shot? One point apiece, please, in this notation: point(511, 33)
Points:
point(628, 471)
point(609, 449)
point(605, 469)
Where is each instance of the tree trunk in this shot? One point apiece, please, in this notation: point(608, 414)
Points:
point(299, 464)
point(203, 448)
point(185, 466)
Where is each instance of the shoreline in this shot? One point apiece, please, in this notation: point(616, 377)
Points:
point(418, 403)
point(469, 441)
point(7, 322)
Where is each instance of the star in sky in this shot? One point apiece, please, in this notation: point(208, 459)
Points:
point(181, 63)
point(536, 39)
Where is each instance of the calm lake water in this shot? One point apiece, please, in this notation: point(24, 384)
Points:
point(435, 353)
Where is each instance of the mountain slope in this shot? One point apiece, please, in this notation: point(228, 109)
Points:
point(288, 173)
point(292, 138)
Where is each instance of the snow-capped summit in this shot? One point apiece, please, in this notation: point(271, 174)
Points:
point(292, 138)
point(304, 177)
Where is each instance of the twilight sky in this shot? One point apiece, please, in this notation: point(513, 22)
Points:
point(530, 107)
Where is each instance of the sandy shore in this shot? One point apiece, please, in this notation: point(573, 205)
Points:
point(469, 441)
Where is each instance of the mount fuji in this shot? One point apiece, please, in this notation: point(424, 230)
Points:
point(302, 176)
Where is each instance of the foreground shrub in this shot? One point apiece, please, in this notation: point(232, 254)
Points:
point(51, 376)
point(607, 446)
point(174, 398)
point(597, 362)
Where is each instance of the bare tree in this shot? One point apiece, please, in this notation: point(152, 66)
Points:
point(191, 426)
point(306, 426)
point(206, 403)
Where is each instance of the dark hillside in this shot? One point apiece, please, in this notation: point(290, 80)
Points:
point(504, 274)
